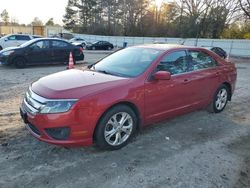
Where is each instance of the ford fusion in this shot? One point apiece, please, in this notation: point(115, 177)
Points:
point(130, 89)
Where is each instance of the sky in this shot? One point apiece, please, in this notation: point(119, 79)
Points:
point(25, 10)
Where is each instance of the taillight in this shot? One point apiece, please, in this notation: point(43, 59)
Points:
point(81, 50)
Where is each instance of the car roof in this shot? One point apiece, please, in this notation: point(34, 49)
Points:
point(18, 34)
point(166, 47)
point(37, 39)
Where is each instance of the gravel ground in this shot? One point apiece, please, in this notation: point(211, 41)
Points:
point(194, 150)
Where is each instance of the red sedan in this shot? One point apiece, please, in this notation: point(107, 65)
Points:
point(125, 91)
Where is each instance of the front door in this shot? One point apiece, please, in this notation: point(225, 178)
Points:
point(38, 53)
point(167, 98)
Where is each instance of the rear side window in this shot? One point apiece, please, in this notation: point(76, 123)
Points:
point(200, 60)
point(175, 63)
point(59, 44)
point(22, 37)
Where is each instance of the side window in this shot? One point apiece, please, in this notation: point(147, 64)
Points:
point(175, 63)
point(200, 60)
point(12, 37)
point(22, 37)
point(40, 45)
point(59, 44)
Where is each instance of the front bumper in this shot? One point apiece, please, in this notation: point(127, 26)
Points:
point(80, 57)
point(5, 60)
point(80, 131)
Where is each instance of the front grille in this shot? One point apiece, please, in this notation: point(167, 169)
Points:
point(33, 102)
point(34, 129)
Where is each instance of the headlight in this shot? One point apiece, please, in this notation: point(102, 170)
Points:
point(8, 52)
point(57, 106)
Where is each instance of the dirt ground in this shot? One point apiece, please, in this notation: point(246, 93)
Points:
point(194, 150)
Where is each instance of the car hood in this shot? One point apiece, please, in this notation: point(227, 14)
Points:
point(75, 84)
point(10, 48)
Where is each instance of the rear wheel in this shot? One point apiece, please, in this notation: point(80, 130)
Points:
point(1, 47)
point(220, 99)
point(93, 48)
point(20, 62)
point(109, 48)
point(116, 128)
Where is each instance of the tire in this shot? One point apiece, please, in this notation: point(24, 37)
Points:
point(109, 48)
point(112, 132)
point(1, 48)
point(220, 100)
point(93, 48)
point(20, 62)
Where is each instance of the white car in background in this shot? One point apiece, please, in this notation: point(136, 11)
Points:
point(15, 40)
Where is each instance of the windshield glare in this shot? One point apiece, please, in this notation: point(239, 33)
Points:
point(129, 62)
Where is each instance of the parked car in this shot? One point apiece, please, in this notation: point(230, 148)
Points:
point(82, 44)
point(219, 51)
point(76, 39)
point(129, 89)
point(40, 51)
point(100, 45)
point(15, 40)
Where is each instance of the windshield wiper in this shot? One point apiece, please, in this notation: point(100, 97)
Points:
point(107, 72)
point(104, 71)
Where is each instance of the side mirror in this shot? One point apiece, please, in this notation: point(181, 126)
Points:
point(6, 39)
point(162, 75)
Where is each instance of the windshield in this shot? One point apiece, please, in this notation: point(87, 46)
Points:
point(129, 62)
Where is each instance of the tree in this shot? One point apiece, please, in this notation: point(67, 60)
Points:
point(180, 18)
point(245, 6)
point(50, 22)
point(5, 16)
point(71, 16)
point(36, 22)
point(14, 21)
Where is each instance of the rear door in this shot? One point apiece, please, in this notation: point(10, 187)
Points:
point(205, 73)
point(22, 39)
point(60, 51)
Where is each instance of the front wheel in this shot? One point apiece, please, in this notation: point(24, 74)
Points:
point(116, 128)
point(220, 99)
point(20, 62)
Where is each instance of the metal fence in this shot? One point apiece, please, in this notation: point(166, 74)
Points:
point(233, 47)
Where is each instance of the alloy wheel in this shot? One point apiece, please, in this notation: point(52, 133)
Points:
point(118, 128)
point(221, 100)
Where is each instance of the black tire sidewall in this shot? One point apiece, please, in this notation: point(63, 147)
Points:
point(99, 133)
point(215, 98)
point(20, 62)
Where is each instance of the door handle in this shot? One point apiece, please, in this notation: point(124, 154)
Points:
point(218, 73)
point(186, 81)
